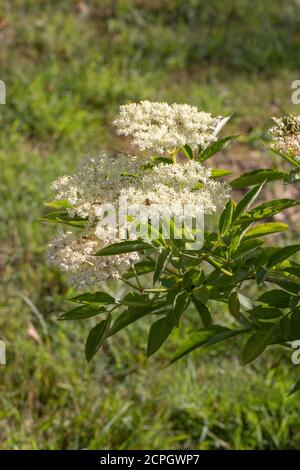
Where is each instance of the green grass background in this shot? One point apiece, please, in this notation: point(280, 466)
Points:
point(68, 65)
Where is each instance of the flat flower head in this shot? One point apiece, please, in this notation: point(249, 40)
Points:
point(286, 135)
point(161, 127)
point(74, 255)
point(97, 180)
point(176, 186)
point(100, 185)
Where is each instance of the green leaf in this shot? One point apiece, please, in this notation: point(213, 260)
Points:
point(192, 278)
point(260, 276)
point(201, 293)
point(161, 262)
point(294, 270)
point(94, 297)
point(63, 217)
point(294, 302)
point(245, 302)
point(159, 332)
point(286, 157)
point(257, 343)
point(96, 337)
point(80, 313)
point(283, 254)
point(61, 204)
point(250, 178)
point(234, 304)
point(295, 388)
point(285, 328)
point(126, 246)
point(219, 172)
point(263, 256)
point(133, 299)
point(180, 303)
point(188, 151)
point(203, 311)
point(204, 337)
point(214, 148)
point(295, 323)
point(266, 313)
point(268, 209)
point(286, 284)
point(262, 230)
point(276, 298)
point(167, 161)
point(126, 318)
point(290, 326)
point(140, 268)
point(247, 201)
point(226, 218)
point(247, 246)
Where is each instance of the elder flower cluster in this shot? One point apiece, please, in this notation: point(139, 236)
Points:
point(161, 127)
point(74, 254)
point(109, 179)
point(96, 181)
point(175, 186)
point(286, 135)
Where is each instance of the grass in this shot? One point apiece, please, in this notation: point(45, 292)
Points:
point(69, 65)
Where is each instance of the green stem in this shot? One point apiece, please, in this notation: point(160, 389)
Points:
point(153, 291)
point(174, 154)
point(114, 308)
point(137, 278)
point(131, 285)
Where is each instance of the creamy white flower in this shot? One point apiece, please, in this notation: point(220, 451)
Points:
point(162, 127)
point(96, 181)
point(103, 181)
point(74, 255)
point(179, 175)
point(286, 135)
point(176, 186)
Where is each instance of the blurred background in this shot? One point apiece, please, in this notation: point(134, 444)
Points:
point(68, 65)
